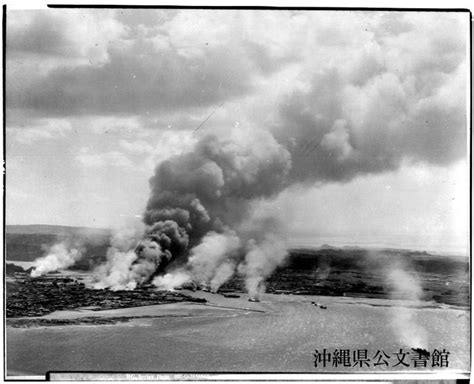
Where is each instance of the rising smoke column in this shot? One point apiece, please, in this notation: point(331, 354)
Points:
point(198, 201)
point(129, 265)
point(208, 194)
point(213, 261)
point(116, 273)
point(260, 261)
point(405, 284)
point(358, 112)
point(210, 264)
point(60, 256)
point(211, 189)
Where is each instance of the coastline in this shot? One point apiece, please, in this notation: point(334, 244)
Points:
point(278, 334)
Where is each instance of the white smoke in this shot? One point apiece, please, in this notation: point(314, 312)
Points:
point(211, 262)
point(260, 261)
point(118, 272)
point(199, 197)
point(115, 273)
point(60, 256)
point(172, 280)
point(405, 285)
point(223, 273)
point(198, 203)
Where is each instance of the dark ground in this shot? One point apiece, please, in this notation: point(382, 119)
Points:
point(31, 297)
point(359, 273)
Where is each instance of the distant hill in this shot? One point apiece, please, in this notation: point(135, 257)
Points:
point(28, 242)
point(62, 230)
point(354, 258)
point(327, 246)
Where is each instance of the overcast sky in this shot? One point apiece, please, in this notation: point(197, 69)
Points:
point(371, 106)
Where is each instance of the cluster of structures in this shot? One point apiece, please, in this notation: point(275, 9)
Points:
point(32, 297)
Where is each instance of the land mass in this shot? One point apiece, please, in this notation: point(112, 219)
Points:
point(33, 297)
point(326, 270)
point(321, 298)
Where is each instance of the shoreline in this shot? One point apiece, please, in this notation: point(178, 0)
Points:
point(213, 333)
point(216, 303)
point(227, 335)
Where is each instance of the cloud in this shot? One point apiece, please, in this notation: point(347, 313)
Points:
point(107, 159)
point(38, 130)
point(187, 61)
point(62, 34)
point(399, 97)
point(138, 147)
point(337, 140)
point(134, 83)
point(345, 94)
point(151, 150)
point(137, 19)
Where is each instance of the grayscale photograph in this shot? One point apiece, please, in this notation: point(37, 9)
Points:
point(236, 190)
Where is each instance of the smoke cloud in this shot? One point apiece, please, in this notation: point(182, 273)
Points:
point(120, 270)
point(60, 256)
point(405, 285)
point(321, 99)
point(170, 281)
point(260, 261)
point(198, 217)
point(207, 196)
point(341, 126)
point(199, 221)
point(213, 261)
